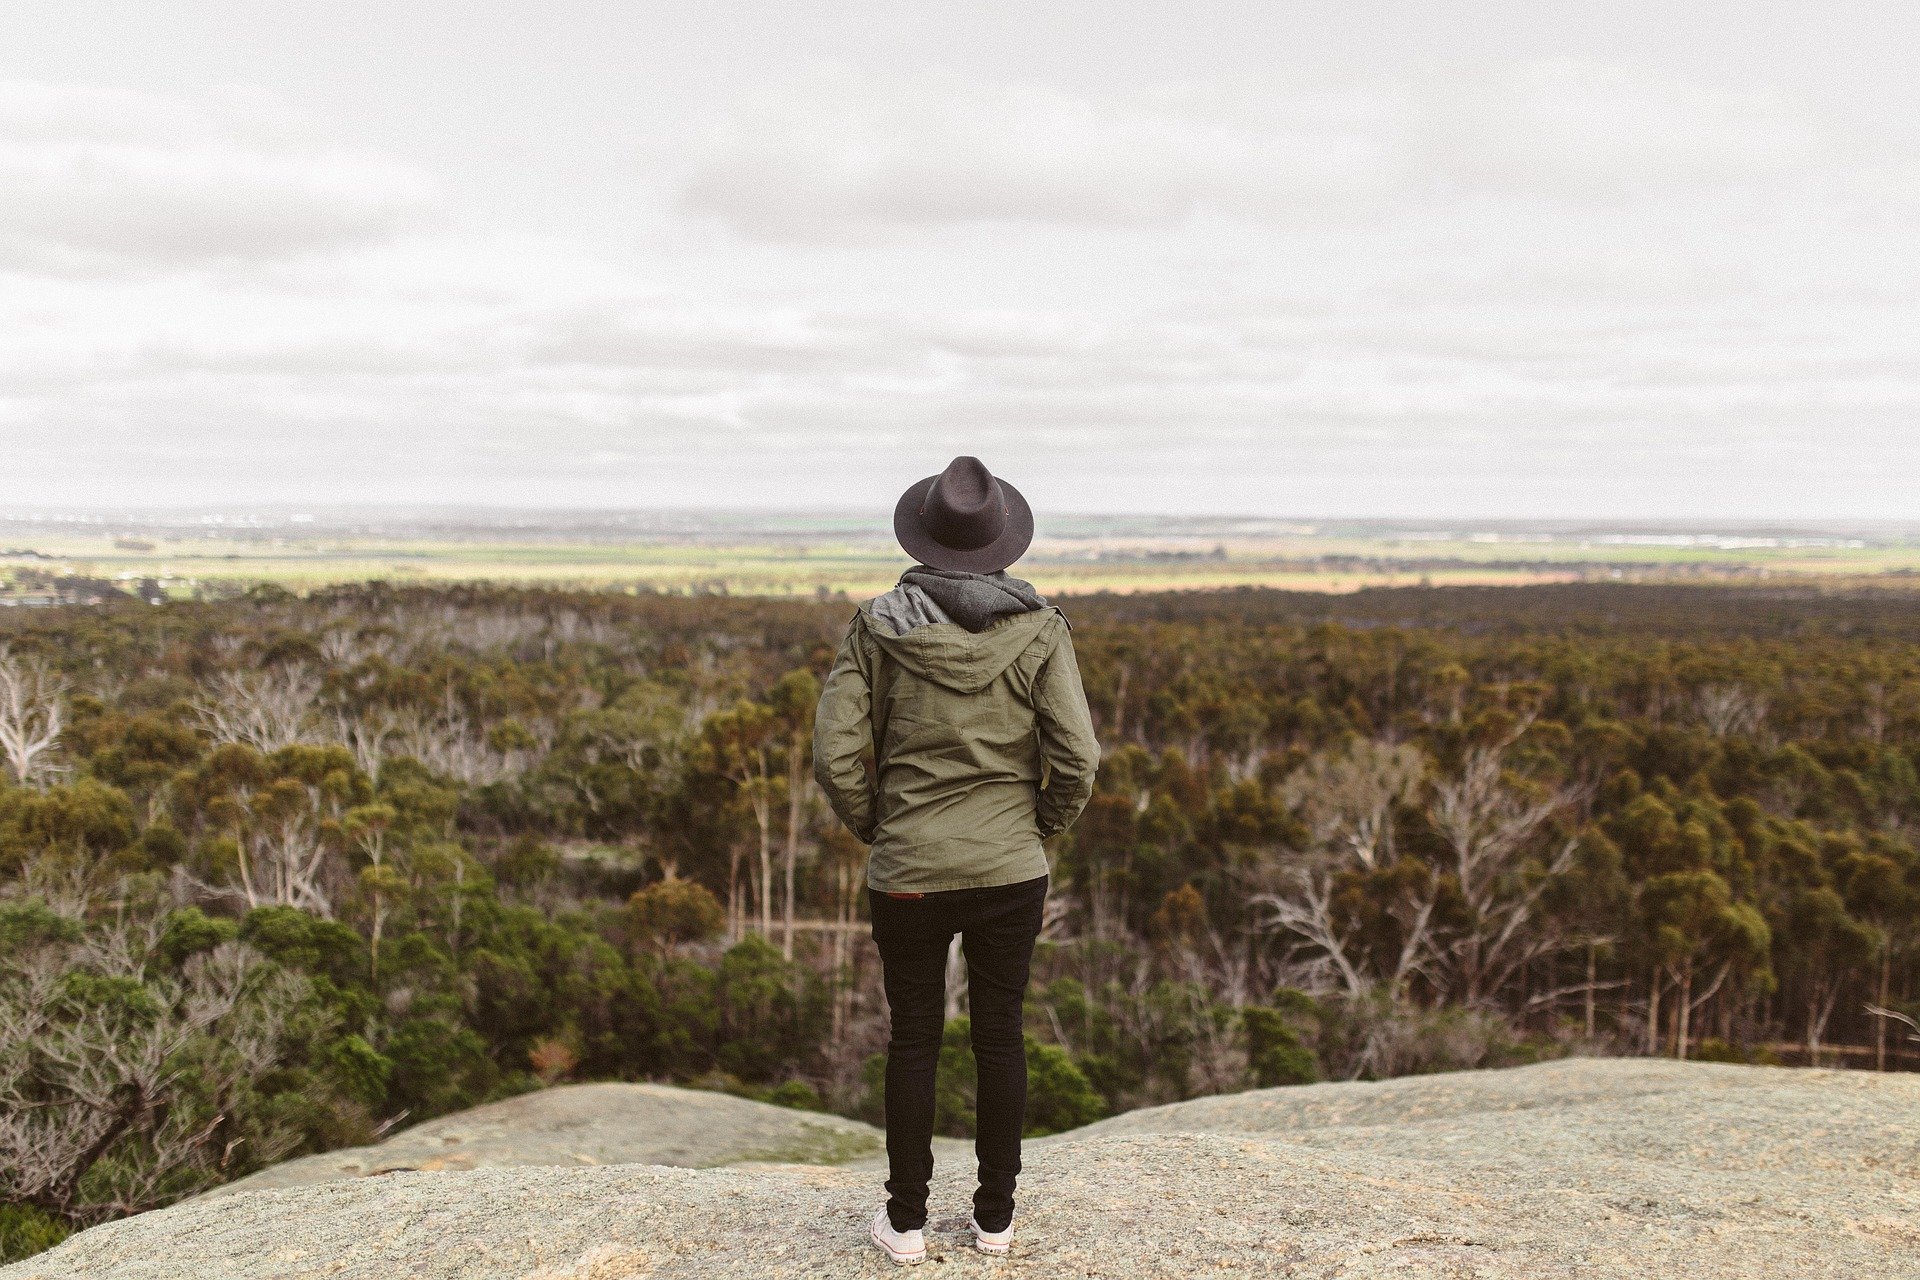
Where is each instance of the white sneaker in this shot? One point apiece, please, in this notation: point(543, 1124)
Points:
point(990, 1241)
point(904, 1247)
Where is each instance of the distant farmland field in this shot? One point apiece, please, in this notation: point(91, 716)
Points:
point(805, 556)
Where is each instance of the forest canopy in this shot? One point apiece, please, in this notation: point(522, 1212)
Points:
point(280, 874)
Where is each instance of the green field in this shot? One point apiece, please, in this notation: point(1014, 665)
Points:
point(808, 556)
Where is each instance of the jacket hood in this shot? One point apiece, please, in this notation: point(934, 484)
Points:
point(948, 654)
point(974, 600)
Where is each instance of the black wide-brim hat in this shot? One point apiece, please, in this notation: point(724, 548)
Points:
point(965, 519)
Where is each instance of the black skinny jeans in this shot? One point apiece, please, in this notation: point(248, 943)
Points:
point(997, 928)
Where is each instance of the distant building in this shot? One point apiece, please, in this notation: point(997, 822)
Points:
point(35, 589)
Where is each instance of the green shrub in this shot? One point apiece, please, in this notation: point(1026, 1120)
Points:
point(1059, 1095)
point(25, 1231)
point(32, 923)
point(1274, 1051)
point(190, 931)
point(797, 1094)
point(1713, 1049)
point(361, 1069)
point(668, 913)
point(770, 1011)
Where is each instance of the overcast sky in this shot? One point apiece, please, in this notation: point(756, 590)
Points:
point(1354, 258)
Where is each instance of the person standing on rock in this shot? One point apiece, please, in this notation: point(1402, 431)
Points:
point(961, 685)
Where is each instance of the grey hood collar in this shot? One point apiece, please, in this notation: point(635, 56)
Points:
point(974, 600)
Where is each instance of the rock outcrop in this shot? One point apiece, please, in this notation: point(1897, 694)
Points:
point(1587, 1168)
point(591, 1124)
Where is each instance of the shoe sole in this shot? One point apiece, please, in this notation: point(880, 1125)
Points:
point(899, 1259)
point(985, 1246)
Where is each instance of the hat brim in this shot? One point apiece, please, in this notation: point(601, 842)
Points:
point(995, 556)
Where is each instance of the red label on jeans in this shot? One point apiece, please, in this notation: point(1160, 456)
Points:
point(891, 894)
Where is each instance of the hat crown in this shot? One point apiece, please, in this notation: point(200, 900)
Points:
point(965, 508)
point(964, 520)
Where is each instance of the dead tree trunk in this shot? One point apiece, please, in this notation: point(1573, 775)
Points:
point(796, 796)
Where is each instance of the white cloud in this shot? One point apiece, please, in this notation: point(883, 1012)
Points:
point(1545, 287)
point(1570, 127)
point(106, 181)
point(651, 399)
point(844, 156)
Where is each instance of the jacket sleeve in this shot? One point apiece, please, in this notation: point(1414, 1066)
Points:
point(842, 734)
point(1067, 741)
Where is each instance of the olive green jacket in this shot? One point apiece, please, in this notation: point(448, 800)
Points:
point(986, 748)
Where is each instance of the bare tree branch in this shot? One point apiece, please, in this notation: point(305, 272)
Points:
point(267, 710)
point(33, 710)
point(1729, 709)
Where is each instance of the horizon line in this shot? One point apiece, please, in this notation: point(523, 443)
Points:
point(302, 512)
